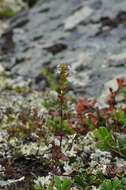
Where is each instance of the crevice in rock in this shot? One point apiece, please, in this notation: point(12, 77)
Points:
point(56, 48)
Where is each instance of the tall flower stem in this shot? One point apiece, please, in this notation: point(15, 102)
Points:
point(63, 85)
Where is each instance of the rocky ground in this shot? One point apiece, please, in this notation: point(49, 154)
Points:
point(89, 36)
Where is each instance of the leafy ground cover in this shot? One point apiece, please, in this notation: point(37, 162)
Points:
point(11, 7)
point(54, 141)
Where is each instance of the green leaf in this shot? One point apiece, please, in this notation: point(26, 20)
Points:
point(38, 188)
point(50, 78)
point(66, 184)
point(124, 183)
point(106, 185)
point(79, 181)
point(116, 183)
point(57, 182)
point(50, 187)
point(104, 137)
point(67, 129)
point(120, 117)
point(7, 13)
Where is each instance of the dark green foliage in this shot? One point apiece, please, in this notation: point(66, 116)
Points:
point(64, 184)
point(114, 184)
point(105, 138)
point(62, 130)
point(7, 13)
point(31, 3)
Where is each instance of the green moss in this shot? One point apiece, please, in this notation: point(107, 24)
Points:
point(22, 90)
point(7, 13)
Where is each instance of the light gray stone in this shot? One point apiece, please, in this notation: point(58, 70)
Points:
point(117, 60)
point(77, 17)
point(102, 100)
point(3, 27)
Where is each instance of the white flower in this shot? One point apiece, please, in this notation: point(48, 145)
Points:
point(29, 149)
point(74, 188)
point(103, 169)
point(62, 65)
point(71, 153)
point(33, 148)
point(57, 142)
point(121, 163)
point(53, 94)
point(43, 181)
point(67, 168)
point(102, 157)
point(94, 188)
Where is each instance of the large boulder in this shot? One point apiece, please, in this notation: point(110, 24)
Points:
point(88, 35)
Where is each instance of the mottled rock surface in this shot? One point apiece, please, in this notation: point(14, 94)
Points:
point(88, 35)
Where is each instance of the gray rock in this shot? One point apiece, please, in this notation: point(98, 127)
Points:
point(118, 60)
point(3, 27)
point(88, 35)
point(79, 16)
point(102, 100)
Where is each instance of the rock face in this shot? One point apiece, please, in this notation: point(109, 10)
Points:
point(88, 35)
point(3, 27)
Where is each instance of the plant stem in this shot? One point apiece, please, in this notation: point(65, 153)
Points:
point(61, 118)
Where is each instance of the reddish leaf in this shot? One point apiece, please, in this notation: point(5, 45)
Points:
point(83, 105)
point(93, 119)
point(121, 82)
